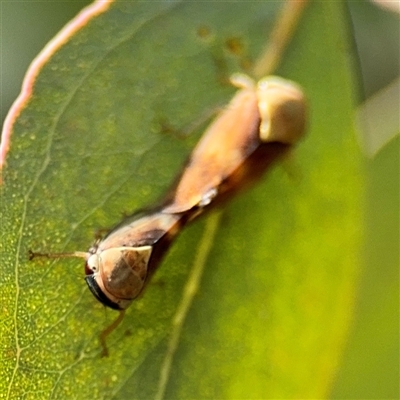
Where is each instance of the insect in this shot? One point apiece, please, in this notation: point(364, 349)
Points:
point(261, 124)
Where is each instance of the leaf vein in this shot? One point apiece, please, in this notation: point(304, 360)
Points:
point(189, 292)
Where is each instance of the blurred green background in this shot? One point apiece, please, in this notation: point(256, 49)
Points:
point(370, 367)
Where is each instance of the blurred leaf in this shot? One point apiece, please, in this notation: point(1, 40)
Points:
point(370, 367)
point(275, 300)
point(378, 120)
point(376, 39)
point(21, 39)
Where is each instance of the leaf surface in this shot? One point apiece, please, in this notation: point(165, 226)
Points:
point(276, 268)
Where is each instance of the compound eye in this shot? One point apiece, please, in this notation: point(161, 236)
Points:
point(92, 265)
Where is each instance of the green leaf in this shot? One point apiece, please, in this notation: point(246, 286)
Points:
point(276, 270)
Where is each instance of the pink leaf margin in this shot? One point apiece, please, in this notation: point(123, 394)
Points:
point(96, 8)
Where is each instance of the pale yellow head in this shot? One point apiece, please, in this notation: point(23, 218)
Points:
point(283, 110)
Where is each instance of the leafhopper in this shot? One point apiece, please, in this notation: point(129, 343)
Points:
point(258, 127)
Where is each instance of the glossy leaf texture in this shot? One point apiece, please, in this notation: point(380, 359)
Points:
point(103, 133)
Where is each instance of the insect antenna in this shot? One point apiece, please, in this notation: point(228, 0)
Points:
point(79, 254)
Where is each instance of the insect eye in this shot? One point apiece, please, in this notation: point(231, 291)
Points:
point(88, 271)
point(91, 265)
